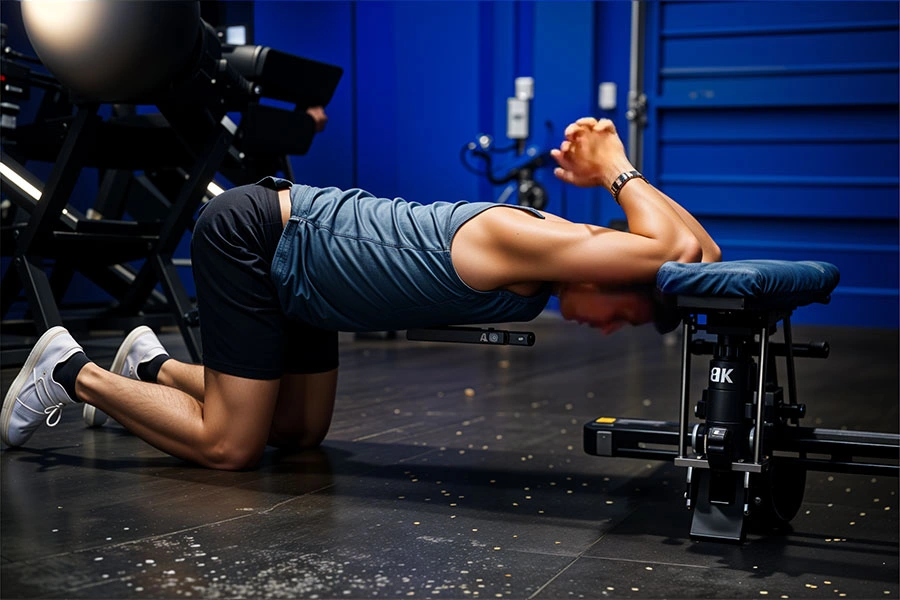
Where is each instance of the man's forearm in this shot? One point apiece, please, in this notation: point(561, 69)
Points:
point(651, 215)
point(711, 251)
point(593, 155)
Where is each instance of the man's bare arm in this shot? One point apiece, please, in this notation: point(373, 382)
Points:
point(593, 155)
point(711, 251)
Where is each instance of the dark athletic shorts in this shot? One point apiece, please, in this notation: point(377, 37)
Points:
point(242, 327)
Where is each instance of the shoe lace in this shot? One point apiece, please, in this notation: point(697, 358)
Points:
point(53, 412)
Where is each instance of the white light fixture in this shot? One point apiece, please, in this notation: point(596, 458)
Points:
point(35, 193)
point(214, 189)
point(20, 182)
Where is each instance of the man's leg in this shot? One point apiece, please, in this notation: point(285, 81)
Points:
point(227, 430)
point(223, 420)
point(304, 409)
point(187, 377)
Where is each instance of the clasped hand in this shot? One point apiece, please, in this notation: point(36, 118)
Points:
point(591, 155)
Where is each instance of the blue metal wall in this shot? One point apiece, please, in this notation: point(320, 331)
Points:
point(776, 124)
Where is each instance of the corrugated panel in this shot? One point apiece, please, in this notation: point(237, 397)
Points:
point(776, 123)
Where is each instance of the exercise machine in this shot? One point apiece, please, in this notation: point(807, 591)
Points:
point(193, 89)
point(518, 173)
point(747, 455)
point(746, 458)
point(155, 167)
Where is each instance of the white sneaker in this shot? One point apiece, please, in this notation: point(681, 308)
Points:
point(34, 396)
point(139, 346)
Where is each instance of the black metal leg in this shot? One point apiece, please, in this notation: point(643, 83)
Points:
point(714, 519)
point(62, 181)
point(180, 303)
point(110, 203)
point(45, 217)
point(791, 374)
point(60, 278)
point(117, 280)
point(38, 292)
point(182, 212)
point(159, 266)
point(685, 386)
point(759, 423)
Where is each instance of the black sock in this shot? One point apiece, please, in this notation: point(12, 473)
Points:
point(149, 371)
point(66, 372)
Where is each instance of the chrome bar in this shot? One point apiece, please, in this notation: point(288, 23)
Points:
point(636, 84)
point(685, 384)
point(704, 464)
point(791, 374)
point(761, 393)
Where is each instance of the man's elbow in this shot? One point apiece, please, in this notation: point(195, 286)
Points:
point(712, 253)
point(688, 250)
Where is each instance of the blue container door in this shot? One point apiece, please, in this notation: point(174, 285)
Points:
point(776, 123)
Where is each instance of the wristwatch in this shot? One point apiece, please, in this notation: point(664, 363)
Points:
point(620, 182)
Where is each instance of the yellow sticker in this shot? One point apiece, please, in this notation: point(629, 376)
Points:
point(606, 420)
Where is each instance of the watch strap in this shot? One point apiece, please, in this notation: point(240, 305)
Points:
point(620, 182)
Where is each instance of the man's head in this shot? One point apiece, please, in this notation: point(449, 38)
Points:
point(604, 309)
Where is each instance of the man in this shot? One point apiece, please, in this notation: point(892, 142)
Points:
point(280, 268)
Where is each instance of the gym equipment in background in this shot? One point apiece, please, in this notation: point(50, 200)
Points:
point(472, 335)
point(156, 168)
point(115, 51)
point(519, 172)
point(747, 458)
point(193, 134)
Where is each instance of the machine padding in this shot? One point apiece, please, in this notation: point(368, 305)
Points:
point(769, 283)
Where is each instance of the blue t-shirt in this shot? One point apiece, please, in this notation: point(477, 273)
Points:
point(349, 261)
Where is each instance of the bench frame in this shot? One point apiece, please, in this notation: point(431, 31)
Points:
point(748, 455)
point(741, 475)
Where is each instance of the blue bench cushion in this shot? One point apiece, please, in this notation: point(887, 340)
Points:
point(769, 283)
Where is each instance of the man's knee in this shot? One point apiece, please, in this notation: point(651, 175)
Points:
point(305, 407)
point(237, 415)
point(298, 439)
point(228, 456)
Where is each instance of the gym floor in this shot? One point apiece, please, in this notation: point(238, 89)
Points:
point(451, 471)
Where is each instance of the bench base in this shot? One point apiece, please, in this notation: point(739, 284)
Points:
point(746, 454)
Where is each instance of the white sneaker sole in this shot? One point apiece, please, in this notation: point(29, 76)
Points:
point(93, 417)
point(9, 401)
